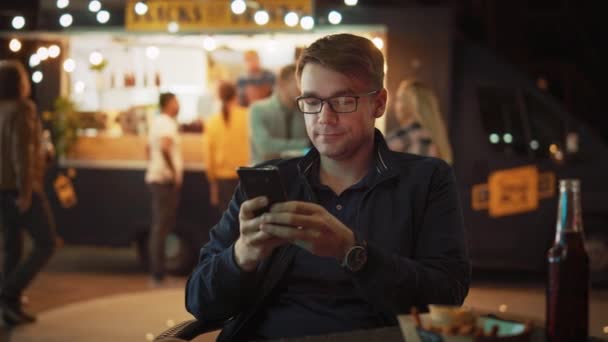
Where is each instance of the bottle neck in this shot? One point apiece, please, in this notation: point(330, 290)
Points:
point(569, 216)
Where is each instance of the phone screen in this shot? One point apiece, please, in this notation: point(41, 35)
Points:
point(264, 181)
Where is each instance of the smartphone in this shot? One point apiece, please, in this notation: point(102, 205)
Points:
point(262, 181)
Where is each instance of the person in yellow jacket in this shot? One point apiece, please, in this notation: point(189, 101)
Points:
point(225, 146)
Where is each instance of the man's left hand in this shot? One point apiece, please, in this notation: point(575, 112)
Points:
point(309, 226)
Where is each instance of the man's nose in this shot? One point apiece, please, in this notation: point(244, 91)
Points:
point(327, 115)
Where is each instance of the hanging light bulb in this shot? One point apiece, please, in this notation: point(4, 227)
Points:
point(103, 16)
point(307, 22)
point(94, 6)
point(54, 51)
point(334, 17)
point(69, 65)
point(37, 76)
point(14, 45)
point(351, 2)
point(18, 22)
point(291, 19)
point(63, 3)
point(238, 6)
point(261, 17)
point(66, 20)
point(141, 8)
point(96, 58)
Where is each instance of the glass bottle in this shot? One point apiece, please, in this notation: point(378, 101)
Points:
point(567, 315)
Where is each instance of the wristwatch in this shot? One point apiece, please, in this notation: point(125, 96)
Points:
point(356, 257)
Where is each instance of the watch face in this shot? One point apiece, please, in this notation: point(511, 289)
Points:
point(356, 259)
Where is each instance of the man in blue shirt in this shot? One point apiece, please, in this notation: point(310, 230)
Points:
point(366, 233)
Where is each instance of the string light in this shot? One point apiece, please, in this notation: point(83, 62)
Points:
point(238, 6)
point(173, 27)
point(63, 3)
point(334, 17)
point(351, 2)
point(141, 8)
point(291, 19)
point(69, 65)
point(307, 22)
point(18, 22)
point(14, 45)
point(37, 76)
point(94, 6)
point(66, 20)
point(261, 17)
point(96, 58)
point(34, 60)
point(103, 17)
point(54, 51)
point(43, 53)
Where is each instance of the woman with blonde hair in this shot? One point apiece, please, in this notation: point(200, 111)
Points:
point(223, 147)
point(422, 129)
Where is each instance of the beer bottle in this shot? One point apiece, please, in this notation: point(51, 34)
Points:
point(567, 312)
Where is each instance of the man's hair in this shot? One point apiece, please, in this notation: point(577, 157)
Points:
point(287, 72)
point(164, 98)
point(353, 56)
point(13, 78)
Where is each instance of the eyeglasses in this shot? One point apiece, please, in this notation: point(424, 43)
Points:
point(338, 104)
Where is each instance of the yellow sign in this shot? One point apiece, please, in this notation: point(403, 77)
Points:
point(513, 191)
point(197, 15)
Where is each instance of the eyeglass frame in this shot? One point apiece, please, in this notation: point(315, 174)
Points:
point(326, 100)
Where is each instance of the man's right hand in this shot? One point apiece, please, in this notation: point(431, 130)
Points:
point(253, 245)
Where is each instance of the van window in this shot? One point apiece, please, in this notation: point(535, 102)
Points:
point(546, 126)
point(502, 120)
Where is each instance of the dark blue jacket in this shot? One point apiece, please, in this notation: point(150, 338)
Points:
point(410, 217)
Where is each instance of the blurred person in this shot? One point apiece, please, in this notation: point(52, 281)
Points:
point(276, 124)
point(223, 147)
point(366, 233)
point(23, 203)
point(257, 83)
point(422, 129)
point(164, 179)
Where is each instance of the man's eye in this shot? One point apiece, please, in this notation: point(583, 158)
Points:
point(344, 100)
point(311, 101)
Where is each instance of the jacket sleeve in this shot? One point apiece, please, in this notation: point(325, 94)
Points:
point(217, 289)
point(267, 145)
point(22, 148)
point(439, 271)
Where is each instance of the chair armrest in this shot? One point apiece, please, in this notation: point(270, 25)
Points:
point(188, 330)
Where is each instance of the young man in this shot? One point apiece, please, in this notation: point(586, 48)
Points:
point(366, 234)
point(276, 124)
point(164, 178)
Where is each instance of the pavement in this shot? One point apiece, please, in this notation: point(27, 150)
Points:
point(101, 294)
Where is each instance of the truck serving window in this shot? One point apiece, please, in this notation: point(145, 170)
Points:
point(502, 120)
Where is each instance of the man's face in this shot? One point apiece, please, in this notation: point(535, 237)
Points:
point(340, 136)
point(172, 107)
point(252, 63)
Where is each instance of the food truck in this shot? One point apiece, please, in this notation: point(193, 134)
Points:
point(512, 142)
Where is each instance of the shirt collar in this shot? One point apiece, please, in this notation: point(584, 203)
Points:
point(381, 163)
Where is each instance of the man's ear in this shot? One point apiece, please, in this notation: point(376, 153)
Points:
point(381, 103)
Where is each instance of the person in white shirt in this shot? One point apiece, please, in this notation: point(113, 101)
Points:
point(164, 178)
